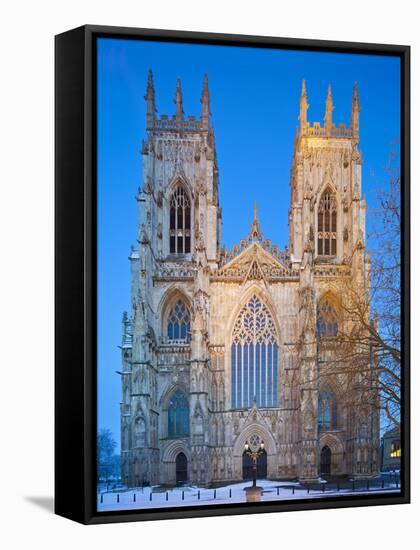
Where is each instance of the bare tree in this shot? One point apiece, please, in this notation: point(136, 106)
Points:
point(385, 294)
point(367, 348)
point(364, 354)
point(107, 460)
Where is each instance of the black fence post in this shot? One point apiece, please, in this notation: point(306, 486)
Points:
point(198, 494)
point(277, 491)
point(150, 497)
point(230, 493)
point(118, 497)
point(102, 498)
point(308, 489)
point(182, 495)
point(134, 497)
point(323, 487)
point(293, 490)
point(214, 494)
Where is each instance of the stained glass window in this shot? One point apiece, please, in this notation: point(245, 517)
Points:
point(327, 323)
point(327, 224)
point(327, 410)
point(254, 357)
point(178, 415)
point(180, 222)
point(179, 322)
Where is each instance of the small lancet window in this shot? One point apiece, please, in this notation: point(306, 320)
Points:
point(178, 415)
point(179, 322)
point(180, 222)
point(327, 322)
point(327, 410)
point(327, 224)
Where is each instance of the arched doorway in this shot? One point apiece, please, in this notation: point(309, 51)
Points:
point(325, 461)
point(261, 466)
point(181, 468)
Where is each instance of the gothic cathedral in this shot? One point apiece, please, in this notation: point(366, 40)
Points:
point(227, 347)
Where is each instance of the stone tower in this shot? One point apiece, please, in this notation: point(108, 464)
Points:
point(326, 158)
point(180, 177)
point(327, 243)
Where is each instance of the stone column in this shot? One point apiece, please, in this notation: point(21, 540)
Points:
point(308, 447)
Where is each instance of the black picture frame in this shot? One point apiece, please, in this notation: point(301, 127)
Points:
point(75, 272)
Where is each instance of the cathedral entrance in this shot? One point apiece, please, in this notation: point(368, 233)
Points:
point(325, 461)
point(261, 466)
point(181, 468)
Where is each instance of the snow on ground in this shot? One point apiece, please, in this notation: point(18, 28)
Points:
point(196, 496)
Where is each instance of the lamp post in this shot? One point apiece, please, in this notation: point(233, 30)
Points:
point(254, 455)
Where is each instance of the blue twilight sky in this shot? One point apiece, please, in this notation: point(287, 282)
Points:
point(254, 97)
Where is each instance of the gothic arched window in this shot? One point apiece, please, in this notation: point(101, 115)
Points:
point(140, 433)
point(178, 415)
point(327, 322)
point(327, 409)
point(254, 357)
point(179, 322)
point(327, 224)
point(180, 222)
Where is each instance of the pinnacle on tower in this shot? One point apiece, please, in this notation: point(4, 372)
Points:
point(355, 110)
point(356, 95)
point(205, 101)
point(255, 232)
point(303, 108)
point(179, 111)
point(150, 100)
point(329, 107)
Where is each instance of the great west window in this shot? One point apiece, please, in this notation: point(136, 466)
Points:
point(254, 357)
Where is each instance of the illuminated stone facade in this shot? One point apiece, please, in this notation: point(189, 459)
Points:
point(225, 346)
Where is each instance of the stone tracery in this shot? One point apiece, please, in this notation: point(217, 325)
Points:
point(254, 357)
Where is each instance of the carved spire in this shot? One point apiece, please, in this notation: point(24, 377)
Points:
point(179, 111)
point(329, 108)
point(150, 101)
point(205, 102)
point(255, 232)
point(303, 109)
point(355, 110)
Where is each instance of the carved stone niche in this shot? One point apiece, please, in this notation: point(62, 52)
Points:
point(197, 152)
point(346, 234)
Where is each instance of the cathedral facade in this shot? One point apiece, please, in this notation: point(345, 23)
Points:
point(227, 347)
